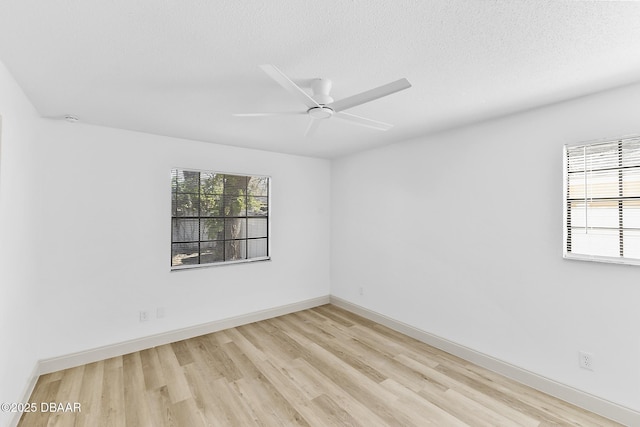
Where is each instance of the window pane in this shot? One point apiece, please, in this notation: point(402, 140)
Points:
point(235, 205)
point(211, 252)
point(184, 230)
point(235, 250)
point(187, 204)
point(258, 186)
point(211, 183)
point(235, 184)
point(174, 180)
point(632, 244)
point(211, 205)
point(235, 228)
point(631, 182)
point(257, 227)
point(184, 253)
point(631, 214)
point(597, 214)
point(631, 153)
point(258, 206)
point(601, 155)
point(257, 248)
point(602, 214)
point(595, 242)
point(211, 229)
point(578, 214)
point(602, 184)
point(576, 186)
point(187, 181)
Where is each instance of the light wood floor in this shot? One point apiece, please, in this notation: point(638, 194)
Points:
point(318, 367)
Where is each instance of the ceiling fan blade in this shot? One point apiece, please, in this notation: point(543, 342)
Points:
point(370, 95)
point(312, 126)
point(282, 113)
point(290, 86)
point(363, 121)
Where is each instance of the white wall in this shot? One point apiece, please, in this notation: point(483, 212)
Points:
point(460, 235)
point(18, 286)
point(104, 236)
point(85, 223)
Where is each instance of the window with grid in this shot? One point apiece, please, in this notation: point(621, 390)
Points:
point(602, 201)
point(218, 218)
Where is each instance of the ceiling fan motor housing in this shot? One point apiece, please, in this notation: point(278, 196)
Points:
point(321, 89)
point(320, 112)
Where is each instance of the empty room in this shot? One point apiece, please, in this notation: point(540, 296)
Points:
point(218, 213)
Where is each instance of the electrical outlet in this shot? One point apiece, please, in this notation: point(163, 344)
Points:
point(361, 290)
point(144, 315)
point(160, 312)
point(586, 360)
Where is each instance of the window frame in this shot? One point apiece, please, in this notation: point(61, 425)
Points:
point(246, 239)
point(567, 254)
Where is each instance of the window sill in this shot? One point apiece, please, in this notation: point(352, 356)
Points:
point(218, 264)
point(595, 258)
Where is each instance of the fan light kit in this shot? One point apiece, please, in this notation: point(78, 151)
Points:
point(320, 112)
point(321, 106)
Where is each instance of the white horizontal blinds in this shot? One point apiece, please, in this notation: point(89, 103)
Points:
point(603, 199)
point(217, 218)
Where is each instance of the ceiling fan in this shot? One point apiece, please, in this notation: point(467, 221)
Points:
point(321, 106)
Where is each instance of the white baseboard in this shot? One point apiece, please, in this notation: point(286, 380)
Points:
point(564, 392)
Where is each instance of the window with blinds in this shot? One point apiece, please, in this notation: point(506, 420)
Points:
point(218, 218)
point(602, 201)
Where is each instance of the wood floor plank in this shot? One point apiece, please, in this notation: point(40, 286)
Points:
point(245, 346)
point(112, 404)
point(267, 404)
point(181, 350)
point(151, 369)
point(91, 395)
point(313, 378)
point(421, 408)
point(212, 408)
point(319, 367)
point(281, 379)
point(186, 414)
point(176, 383)
point(333, 414)
point(355, 383)
point(221, 359)
point(46, 390)
point(160, 407)
point(202, 357)
point(136, 406)
point(504, 405)
point(340, 349)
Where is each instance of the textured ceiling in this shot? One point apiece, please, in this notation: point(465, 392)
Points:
point(182, 68)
